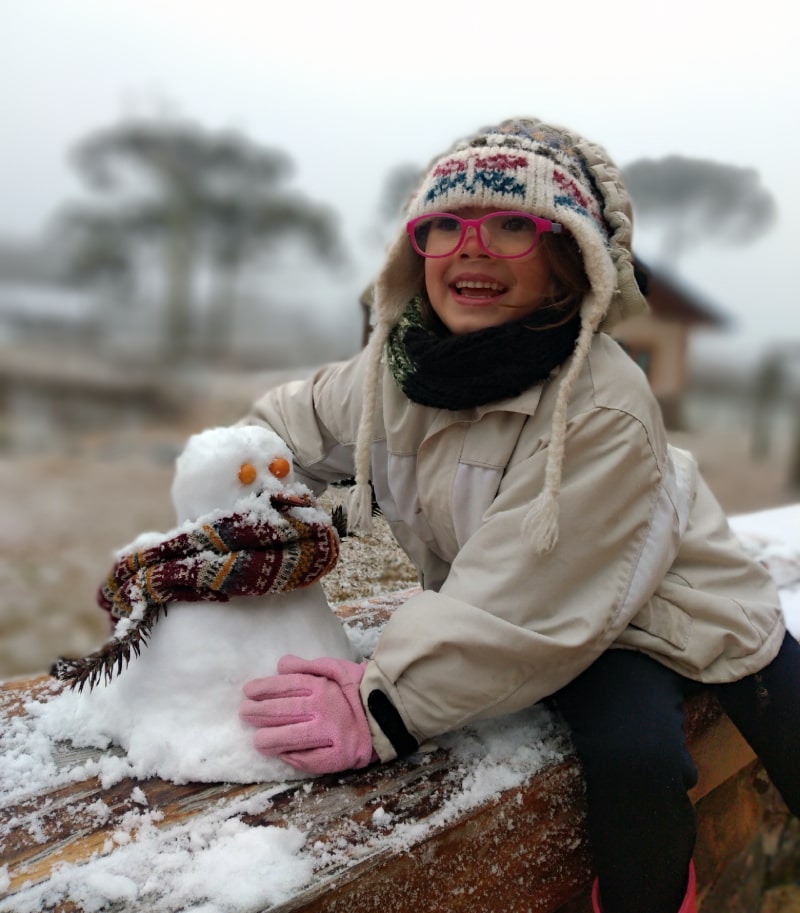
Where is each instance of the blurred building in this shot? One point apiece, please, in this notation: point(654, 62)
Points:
point(659, 341)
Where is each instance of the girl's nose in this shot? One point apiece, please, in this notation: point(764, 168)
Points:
point(472, 245)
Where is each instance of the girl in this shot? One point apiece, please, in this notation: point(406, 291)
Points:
point(565, 550)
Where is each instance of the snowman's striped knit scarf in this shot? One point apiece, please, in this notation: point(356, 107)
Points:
point(237, 554)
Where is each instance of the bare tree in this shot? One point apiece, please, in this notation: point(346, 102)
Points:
point(95, 247)
point(696, 201)
point(190, 193)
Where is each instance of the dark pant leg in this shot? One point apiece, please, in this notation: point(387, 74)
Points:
point(626, 717)
point(765, 708)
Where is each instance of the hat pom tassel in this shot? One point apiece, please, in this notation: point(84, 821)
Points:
point(540, 526)
point(359, 508)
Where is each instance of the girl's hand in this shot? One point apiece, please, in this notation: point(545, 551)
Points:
point(310, 715)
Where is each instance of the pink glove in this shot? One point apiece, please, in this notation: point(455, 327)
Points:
point(310, 715)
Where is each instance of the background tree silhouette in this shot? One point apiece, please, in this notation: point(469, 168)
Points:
point(195, 196)
point(695, 201)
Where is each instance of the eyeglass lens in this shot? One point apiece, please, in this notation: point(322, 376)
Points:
point(502, 234)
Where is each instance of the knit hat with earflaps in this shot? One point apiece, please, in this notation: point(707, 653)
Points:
point(525, 165)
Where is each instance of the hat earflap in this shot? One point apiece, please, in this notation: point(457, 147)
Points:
point(400, 279)
point(540, 524)
point(359, 504)
point(628, 300)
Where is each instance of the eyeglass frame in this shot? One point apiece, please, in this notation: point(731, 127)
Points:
point(543, 226)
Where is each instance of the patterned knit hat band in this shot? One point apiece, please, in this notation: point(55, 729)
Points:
point(529, 177)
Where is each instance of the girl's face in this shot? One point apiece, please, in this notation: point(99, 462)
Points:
point(472, 290)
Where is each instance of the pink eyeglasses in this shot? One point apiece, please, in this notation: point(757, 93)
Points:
point(500, 234)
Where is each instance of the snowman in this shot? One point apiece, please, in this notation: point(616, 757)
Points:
point(173, 706)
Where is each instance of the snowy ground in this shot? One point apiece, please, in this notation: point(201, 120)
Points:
point(773, 537)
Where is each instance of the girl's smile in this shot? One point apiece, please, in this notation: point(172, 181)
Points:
point(477, 288)
point(471, 289)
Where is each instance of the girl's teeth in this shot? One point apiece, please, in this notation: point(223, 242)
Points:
point(491, 286)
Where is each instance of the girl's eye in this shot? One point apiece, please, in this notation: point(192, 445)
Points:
point(518, 224)
point(445, 223)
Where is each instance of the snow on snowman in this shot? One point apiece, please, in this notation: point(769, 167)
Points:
point(167, 686)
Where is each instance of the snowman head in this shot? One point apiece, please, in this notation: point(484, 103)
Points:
point(222, 466)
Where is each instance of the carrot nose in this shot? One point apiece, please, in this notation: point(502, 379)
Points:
point(279, 467)
point(247, 473)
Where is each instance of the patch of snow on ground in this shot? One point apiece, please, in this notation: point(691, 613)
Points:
point(773, 538)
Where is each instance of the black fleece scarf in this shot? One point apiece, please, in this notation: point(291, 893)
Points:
point(471, 369)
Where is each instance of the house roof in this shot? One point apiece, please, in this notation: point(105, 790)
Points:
point(670, 298)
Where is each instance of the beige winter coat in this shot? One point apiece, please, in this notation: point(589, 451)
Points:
point(645, 559)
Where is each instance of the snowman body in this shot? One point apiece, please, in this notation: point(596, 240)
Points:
point(174, 708)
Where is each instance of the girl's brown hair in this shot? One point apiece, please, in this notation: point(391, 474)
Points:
point(569, 283)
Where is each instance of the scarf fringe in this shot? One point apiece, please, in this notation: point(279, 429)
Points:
point(111, 659)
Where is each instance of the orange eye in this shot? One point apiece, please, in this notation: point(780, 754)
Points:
point(247, 473)
point(279, 467)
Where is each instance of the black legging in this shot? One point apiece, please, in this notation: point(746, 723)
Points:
point(626, 716)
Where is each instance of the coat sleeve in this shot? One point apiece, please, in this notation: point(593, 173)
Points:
point(318, 420)
point(510, 627)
